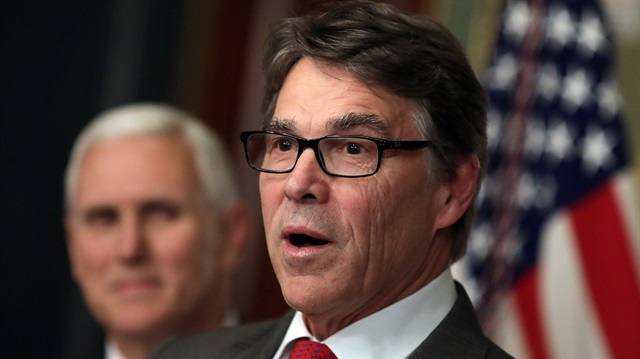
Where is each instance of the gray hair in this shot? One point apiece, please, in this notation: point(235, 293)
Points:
point(152, 119)
point(410, 56)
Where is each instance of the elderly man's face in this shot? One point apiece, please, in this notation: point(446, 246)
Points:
point(142, 242)
point(343, 248)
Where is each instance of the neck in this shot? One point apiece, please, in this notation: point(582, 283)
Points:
point(140, 345)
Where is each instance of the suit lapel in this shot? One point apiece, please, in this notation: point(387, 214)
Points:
point(459, 335)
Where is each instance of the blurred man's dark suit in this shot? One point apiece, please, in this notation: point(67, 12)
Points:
point(82, 337)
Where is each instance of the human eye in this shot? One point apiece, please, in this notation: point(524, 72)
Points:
point(349, 155)
point(278, 144)
point(283, 144)
point(160, 212)
point(355, 147)
point(100, 217)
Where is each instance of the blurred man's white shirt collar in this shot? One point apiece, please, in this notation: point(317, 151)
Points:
point(111, 351)
point(393, 332)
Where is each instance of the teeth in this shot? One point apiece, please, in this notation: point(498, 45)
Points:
point(302, 240)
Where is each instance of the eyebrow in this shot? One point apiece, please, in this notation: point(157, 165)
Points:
point(345, 122)
point(94, 210)
point(279, 124)
point(155, 204)
point(354, 120)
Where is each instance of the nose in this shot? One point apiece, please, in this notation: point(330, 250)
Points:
point(307, 182)
point(132, 243)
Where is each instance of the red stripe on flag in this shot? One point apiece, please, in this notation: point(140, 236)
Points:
point(606, 258)
point(528, 304)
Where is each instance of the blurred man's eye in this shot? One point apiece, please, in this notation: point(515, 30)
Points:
point(100, 217)
point(160, 211)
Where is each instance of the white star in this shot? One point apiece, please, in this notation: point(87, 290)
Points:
point(591, 35)
point(517, 19)
point(546, 192)
point(608, 101)
point(559, 141)
point(576, 90)
point(481, 240)
point(504, 72)
point(548, 82)
point(493, 128)
point(535, 139)
point(560, 27)
point(597, 150)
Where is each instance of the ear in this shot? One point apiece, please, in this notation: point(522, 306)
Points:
point(460, 188)
point(237, 226)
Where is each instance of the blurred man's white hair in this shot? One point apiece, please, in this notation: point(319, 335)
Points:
point(152, 119)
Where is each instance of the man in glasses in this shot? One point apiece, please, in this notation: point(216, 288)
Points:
point(371, 157)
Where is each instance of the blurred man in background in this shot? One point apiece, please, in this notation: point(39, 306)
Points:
point(154, 226)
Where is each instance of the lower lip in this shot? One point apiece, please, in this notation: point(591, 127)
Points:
point(304, 252)
point(136, 287)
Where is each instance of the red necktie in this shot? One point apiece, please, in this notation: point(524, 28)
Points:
point(307, 349)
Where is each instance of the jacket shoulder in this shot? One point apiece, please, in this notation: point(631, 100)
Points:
point(459, 335)
point(219, 343)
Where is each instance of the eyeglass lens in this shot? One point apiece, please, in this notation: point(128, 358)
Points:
point(346, 156)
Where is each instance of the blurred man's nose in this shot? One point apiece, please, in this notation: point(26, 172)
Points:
point(132, 241)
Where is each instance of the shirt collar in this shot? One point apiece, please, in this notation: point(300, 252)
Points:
point(111, 351)
point(393, 332)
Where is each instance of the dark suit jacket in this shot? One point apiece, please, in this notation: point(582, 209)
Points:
point(81, 337)
point(457, 336)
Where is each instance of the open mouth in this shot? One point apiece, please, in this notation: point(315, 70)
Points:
point(303, 240)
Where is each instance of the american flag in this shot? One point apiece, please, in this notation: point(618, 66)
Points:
point(554, 258)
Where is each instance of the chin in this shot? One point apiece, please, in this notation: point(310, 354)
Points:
point(307, 302)
point(138, 323)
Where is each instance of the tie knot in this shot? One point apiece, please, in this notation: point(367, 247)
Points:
point(307, 349)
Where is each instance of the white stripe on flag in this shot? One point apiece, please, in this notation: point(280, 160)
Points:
point(570, 325)
point(509, 333)
point(625, 193)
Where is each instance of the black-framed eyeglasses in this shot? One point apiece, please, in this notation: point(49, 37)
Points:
point(342, 156)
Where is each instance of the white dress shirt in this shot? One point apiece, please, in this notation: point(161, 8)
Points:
point(111, 351)
point(393, 332)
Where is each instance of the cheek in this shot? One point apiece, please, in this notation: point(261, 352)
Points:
point(360, 210)
point(186, 252)
point(381, 214)
point(270, 197)
point(365, 207)
point(90, 254)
